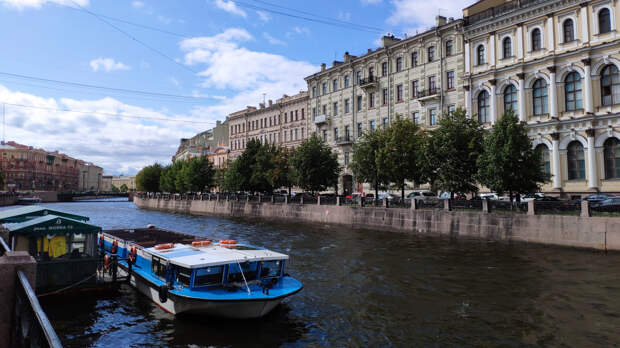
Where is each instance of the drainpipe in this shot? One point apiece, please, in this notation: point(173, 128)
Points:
point(389, 85)
point(441, 60)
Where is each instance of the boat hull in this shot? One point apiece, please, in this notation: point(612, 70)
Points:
point(175, 304)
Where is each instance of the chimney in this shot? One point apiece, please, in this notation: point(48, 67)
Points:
point(370, 50)
point(270, 102)
point(261, 105)
point(388, 40)
point(323, 66)
point(440, 20)
point(347, 57)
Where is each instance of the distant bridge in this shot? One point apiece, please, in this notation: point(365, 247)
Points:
point(79, 196)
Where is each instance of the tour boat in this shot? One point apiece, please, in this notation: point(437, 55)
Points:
point(217, 278)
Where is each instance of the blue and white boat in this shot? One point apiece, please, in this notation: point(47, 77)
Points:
point(223, 278)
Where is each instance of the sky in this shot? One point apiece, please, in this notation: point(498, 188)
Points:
point(170, 69)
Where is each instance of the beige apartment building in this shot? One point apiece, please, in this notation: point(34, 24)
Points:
point(555, 63)
point(282, 123)
point(90, 177)
point(420, 77)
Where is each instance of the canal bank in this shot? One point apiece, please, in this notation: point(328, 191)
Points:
point(600, 233)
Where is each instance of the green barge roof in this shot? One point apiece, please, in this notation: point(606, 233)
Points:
point(51, 225)
point(25, 213)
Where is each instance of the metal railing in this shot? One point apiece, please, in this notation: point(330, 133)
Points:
point(3, 247)
point(347, 139)
point(507, 206)
point(464, 204)
point(558, 207)
point(426, 93)
point(500, 10)
point(368, 80)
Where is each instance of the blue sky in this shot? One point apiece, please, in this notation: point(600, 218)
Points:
point(223, 54)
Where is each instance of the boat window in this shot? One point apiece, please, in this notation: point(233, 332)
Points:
point(249, 270)
point(183, 276)
point(78, 242)
point(208, 276)
point(270, 268)
point(158, 267)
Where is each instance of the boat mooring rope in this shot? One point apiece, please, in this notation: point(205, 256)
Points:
point(68, 287)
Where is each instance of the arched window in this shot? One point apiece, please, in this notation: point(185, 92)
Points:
point(480, 51)
point(612, 158)
point(576, 162)
point(604, 21)
point(483, 107)
point(414, 59)
point(610, 85)
point(544, 155)
point(539, 96)
point(449, 48)
point(569, 32)
point(536, 40)
point(507, 47)
point(510, 98)
point(572, 91)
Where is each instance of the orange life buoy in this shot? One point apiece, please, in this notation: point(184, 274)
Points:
point(101, 241)
point(228, 241)
point(132, 259)
point(106, 261)
point(164, 246)
point(206, 242)
point(133, 250)
point(114, 247)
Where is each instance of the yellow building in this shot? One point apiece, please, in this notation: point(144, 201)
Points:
point(555, 63)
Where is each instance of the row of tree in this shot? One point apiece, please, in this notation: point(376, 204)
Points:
point(456, 157)
point(196, 174)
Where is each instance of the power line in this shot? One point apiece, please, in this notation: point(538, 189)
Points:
point(134, 38)
point(110, 114)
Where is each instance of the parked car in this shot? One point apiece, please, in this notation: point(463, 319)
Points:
point(446, 195)
point(609, 202)
point(390, 196)
point(533, 197)
point(491, 196)
point(425, 195)
point(598, 197)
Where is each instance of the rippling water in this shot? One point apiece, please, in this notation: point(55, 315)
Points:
point(367, 288)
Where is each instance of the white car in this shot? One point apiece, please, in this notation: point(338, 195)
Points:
point(491, 196)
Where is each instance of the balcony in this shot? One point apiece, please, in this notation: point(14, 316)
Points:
point(500, 10)
point(320, 119)
point(369, 82)
point(427, 95)
point(345, 140)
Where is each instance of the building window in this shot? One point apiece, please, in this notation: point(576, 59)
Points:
point(314, 92)
point(335, 108)
point(324, 88)
point(604, 21)
point(544, 154)
point(431, 53)
point(324, 136)
point(360, 129)
point(610, 85)
point(358, 77)
point(314, 112)
point(385, 123)
point(510, 98)
point(569, 32)
point(572, 91)
point(346, 106)
point(384, 96)
point(359, 103)
point(399, 64)
point(483, 107)
point(576, 162)
point(346, 81)
point(371, 100)
point(612, 158)
point(399, 93)
point(302, 132)
point(432, 87)
point(373, 125)
point(302, 113)
point(416, 117)
point(507, 47)
point(346, 158)
point(335, 85)
point(432, 113)
point(539, 96)
point(449, 48)
point(325, 109)
point(371, 73)
point(414, 59)
point(384, 69)
point(450, 80)
point(336, 137)
point(347, 133)
point(480, 54)
point(414, 89)
point(451, 109)
point(536, 39)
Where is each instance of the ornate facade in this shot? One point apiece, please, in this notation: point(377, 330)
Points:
point(555, 64)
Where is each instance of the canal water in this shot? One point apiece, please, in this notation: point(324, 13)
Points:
point(367, 288)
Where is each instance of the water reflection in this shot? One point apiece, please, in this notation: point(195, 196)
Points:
point(369, 288)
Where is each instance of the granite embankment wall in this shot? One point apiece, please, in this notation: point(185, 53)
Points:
point(601, 233)
point(7, 199)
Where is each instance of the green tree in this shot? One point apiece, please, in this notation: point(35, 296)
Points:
point(115, 189)
point(316, 166)
point(508, 162)
point(124, 188)
point(148, 178)
point(170, 180)
point(262, 169)
point(365, 162)
point(245, 166)
point(1, 180)
point(233, 179)
point(283, 173)
point(197, 174)
point(220, 176)
point(399, 154)
point(452, 153)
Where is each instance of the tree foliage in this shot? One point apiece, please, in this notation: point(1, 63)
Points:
point(365, 162)
point(452, 152)
point(124, 188)
point(508, 162)
point(148, 178)
point(194, 175)
point(316, 166)
point(1, 180)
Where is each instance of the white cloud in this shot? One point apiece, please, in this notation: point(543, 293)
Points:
point(263, 16)
point(272, 40)
point(164, 19)
point(23, 4)
point(175, 82)
point(230, 7)
point(118, 144)
point(107, 65)
point(230, 66)
point(299, 31)
point(420, 15)
point(137, 4)
point(371, 2)
point(344, 16)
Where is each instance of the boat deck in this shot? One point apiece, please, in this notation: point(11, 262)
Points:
point(149, 237)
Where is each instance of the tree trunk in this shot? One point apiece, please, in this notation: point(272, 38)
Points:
point(402, 191)
point(376, 192)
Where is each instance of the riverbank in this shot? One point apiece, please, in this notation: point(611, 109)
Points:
point(600, 233)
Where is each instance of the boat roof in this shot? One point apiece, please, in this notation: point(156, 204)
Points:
point(24, 213)
point(214, 255)
point(51, 225)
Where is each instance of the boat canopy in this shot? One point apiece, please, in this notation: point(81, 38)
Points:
point(51, 225)
point(25, 213)
point(213, 255)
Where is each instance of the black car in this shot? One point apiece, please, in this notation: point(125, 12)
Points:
point(598, 198)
